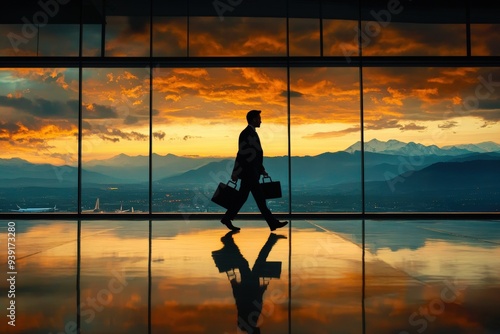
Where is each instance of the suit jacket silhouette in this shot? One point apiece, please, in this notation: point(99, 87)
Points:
point(250, 156)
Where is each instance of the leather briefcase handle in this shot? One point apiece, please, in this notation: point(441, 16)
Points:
point(266, 177)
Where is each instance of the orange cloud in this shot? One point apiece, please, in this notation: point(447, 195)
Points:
point(413, 39)
point(170, 36)
point(249, 36)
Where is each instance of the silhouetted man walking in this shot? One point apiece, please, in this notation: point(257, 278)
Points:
point(248, 167)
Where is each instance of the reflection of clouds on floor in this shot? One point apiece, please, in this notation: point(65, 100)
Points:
point(445, 268)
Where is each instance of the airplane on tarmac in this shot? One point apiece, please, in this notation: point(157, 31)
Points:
point(34, 210)
point(120, 210)
point(95, 209)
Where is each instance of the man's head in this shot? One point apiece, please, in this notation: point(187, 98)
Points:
point(253, 118)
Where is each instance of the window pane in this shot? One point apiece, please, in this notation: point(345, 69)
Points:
point(115, 144)
point(248, 36)
point(91, 44)
point(127, 36)
point(431, 136)
point(413, 39)
point(38, 139)
point(199, 114)
point(170, 37)
point(304, 37)
point(59, 40)
point(485, 39)
point(340, 38)
point(325, 120)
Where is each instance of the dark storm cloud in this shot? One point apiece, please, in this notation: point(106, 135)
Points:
point(18, 103)
point(98, 111)
point(40, 107)
point(412, 126)
point(114, 140)
point(115, 135)
point(131, 120)
point(487, 115)
point(8, 127)
point(187, 137)
point(160, 135)
point(293, 93)
point(448, 125)
point(53, 109)
point(382, 124)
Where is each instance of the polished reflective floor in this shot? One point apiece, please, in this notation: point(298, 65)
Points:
point(197, 277)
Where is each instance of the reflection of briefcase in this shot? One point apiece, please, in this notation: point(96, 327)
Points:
point(225, 195)
point(268, 269)
point(271, 189)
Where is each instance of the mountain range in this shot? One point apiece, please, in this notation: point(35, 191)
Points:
point(396, 147)
point(384, 161)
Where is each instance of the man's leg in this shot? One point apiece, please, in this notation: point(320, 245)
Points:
point(238, 203)
point(258, 195)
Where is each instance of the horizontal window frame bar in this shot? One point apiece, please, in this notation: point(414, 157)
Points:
point(256, 216)
point(208, 62)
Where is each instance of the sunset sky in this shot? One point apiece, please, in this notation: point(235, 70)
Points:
point(200, 111)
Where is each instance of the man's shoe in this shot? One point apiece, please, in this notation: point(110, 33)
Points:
point(277, 224)
point(229, 224)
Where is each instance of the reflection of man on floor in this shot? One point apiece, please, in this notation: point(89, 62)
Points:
point(249, 290)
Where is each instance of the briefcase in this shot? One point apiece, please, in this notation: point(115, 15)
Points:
point(271, 189)
point(225, 194)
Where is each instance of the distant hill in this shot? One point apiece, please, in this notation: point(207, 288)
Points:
point(129, 167)
point(324, 170)
point(21, 173)
point(443, 177)
point(483, 147)
point(383, 161)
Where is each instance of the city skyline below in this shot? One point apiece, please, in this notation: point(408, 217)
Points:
point(397, 177)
